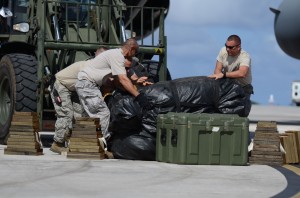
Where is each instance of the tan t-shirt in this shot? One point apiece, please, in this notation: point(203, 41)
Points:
point(110, 61)
point(68, 76)
point(232, 63)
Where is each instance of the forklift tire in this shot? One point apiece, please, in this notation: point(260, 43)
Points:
point(18, 86)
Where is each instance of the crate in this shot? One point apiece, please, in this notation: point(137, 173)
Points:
point(186, 138)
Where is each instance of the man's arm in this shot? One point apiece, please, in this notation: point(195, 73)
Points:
point(218, 68)
point(218, 71)
point(139, 97)
point(127, 84)
point(240, 73)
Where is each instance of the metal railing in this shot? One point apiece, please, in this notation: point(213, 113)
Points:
point(86, 25)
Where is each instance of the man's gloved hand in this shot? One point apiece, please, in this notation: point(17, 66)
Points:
point(143, 101)
point(57, 98)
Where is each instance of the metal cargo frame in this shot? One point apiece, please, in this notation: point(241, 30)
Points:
point(51, 44)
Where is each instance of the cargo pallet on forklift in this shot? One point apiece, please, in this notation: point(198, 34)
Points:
point(203, 139)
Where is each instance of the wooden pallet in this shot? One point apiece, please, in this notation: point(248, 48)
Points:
point(23, 135)
point(297, 139)
point(84, 143)
point(266, 148)
point(290, 142)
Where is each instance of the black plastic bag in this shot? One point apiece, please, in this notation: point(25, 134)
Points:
point(133, 147)
point(192, 95)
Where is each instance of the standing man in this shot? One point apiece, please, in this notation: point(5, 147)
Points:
point(90, 79)
point(234, 62)
point(66, 102)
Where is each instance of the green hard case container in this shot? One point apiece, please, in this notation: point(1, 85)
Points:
point(206, 139)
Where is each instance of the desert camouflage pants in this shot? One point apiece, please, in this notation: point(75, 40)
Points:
point(93, 103)
point(65, 111)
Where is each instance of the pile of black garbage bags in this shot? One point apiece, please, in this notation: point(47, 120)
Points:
point(134, 129)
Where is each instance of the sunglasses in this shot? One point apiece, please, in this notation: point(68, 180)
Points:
point(231, 47)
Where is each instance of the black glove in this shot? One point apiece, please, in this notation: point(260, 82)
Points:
point(57, 98)
point(52, 81)
point(143, 101)
point(130, 72)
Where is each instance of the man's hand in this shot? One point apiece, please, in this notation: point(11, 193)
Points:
point(146, 83)
point(216, 76)
point(218, 71)
point(143, 80)
point(143, 101)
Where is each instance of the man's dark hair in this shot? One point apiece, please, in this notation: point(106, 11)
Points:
point(234, 38)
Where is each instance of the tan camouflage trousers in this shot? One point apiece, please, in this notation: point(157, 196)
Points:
point(92, 101)
point(65, 111)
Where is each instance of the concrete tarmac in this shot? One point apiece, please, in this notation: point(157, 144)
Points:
point(53, 175)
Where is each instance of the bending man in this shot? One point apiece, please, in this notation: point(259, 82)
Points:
point(66, 102)
point(91, 77)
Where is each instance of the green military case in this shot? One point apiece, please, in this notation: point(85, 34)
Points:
point(186, 138)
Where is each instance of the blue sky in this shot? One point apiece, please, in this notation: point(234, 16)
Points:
point(196, 30)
